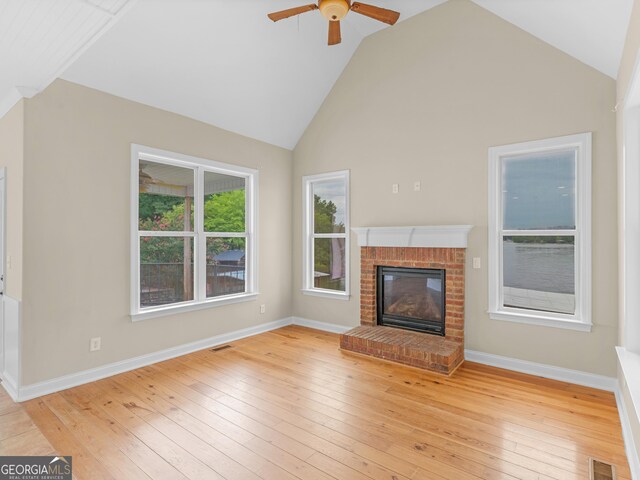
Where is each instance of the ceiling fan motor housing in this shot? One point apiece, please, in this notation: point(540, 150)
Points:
point(334, 10)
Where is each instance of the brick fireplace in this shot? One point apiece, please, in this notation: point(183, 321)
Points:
point(441, 248)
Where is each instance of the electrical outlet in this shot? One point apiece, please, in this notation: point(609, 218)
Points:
point(417, 186)
point(476, 262)
point(95, 344)
point(263, 308)
point(395, 188)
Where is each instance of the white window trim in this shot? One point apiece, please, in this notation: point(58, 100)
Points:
point(581, 320)
point(630, 232)
point(629, 254)
point(141, 152)
point(307, 236)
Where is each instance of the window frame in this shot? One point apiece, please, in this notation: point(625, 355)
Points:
point(309, 235)
point(630, 271)
point(581, 319)
point(200, 166)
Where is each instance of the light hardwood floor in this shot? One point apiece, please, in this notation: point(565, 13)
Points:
point(289, 404)
point(18, 434)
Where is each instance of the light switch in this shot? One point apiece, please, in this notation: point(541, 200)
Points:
point(476, 262)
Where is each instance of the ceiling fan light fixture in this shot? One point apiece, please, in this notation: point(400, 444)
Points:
point(334, 10)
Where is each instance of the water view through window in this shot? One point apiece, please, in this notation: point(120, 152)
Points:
point(538, 273)
point(539, 191)
point(539, 195)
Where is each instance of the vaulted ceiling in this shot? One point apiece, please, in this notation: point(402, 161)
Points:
point(223, 62)
point(39, 39)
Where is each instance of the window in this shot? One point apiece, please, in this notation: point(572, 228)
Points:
point(326, 235)
point(540, 232)
point(193, 233)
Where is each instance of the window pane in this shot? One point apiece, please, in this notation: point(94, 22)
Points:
point(224, 203)
point(165, 192)
point(329, 263)
point(539, 273)
point(166, 270)
point(539, 191)
point(329, 206)
point(226, 266)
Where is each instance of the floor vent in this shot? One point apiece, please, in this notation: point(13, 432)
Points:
point(221, 347)
point(601, 470)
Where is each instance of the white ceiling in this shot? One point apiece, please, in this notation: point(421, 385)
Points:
point(39, 39)
point(225, 63)
point(593, 31)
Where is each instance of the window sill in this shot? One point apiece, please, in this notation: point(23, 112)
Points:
point(540, 320)
point(630, 365)
point(326, 294)
point(189, 307)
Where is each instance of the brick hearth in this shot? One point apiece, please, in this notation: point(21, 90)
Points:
point(431, 352)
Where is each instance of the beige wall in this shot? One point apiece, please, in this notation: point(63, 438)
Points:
point(421, 101)
point(424, 101)
point(76, 230)
point(11, 157)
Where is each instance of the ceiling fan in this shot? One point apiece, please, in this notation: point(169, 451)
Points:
point(144, 179)
point(335, 10)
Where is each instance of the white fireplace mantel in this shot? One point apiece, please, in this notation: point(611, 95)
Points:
point(437, 236)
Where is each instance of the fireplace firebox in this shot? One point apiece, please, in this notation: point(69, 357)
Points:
point(411, 298)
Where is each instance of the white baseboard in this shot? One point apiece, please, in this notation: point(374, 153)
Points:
point(571, 376)
point(326, 327)
point(541, 370)
point(629, 368)
point(548, 371)
point(46, 387)
point(11, 342)
point(27, 392)
point(10, 386)
point(627, 436)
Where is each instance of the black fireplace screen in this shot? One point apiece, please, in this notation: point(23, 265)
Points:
point(411, 298)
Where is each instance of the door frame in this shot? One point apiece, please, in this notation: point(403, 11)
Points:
point(3, 263)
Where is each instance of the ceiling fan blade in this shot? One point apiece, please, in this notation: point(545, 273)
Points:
point(290, 12)
point(334, 32)
point(382, 14)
